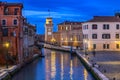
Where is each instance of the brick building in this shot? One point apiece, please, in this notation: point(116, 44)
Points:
point(71, 33)
point(28, 40)
point(13, 30)
point(11, 23)
point(68, 34)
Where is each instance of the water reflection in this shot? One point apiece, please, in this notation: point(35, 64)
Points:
point(55, 66)
point(71, 69)
point(62, 67)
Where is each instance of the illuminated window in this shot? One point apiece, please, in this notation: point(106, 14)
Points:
point(66, 28)
point(117, 36)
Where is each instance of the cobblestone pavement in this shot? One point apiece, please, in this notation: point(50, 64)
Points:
point(108, 62)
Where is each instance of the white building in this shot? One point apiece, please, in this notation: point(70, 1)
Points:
point(102, 33)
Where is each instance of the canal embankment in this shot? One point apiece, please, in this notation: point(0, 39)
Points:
point(92, 68)
point(7, 73)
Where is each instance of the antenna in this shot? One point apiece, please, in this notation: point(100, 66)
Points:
point(49, 12)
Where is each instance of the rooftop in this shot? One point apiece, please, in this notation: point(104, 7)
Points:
point(69, 23)
point(11, 4)
point(105, 19)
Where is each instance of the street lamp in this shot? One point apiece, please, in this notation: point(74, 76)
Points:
point(6, 45)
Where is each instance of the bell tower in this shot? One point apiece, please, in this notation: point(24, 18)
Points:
point(48, 29)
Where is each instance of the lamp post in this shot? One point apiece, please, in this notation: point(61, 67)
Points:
point(6, 45)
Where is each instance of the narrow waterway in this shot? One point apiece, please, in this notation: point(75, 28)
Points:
point(55, 66)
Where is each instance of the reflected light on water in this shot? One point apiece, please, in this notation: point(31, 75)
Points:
point(85, 74)
point(53, 64)
point(71, 69)
point(62, 67)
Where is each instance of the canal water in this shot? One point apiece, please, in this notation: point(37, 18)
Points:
point(55, 66)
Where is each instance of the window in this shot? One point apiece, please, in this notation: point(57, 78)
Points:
point(117, 36)
point(85, 27)
point(61, 27)
point(15, 22)
point(94, 26)
point(66, 28)
point(117, 26)
point(30, 32)
point(5, 32)
point(94, 46)
point(105, 26)
point(94, 36)
point(105, 36)
point(117, 46)
point(16, 11)
point(85, 36)
point(6, 11)
point(106, 46)
point(3, 22)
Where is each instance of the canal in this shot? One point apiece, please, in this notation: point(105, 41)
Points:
point(56, 65)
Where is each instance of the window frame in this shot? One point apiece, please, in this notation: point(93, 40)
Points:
point(106, 36)
point(14, 22)
point(94, 36)
point(117, 26)
point(94, 26)
point(106, 26)
point(2, 22)
point(117, 36)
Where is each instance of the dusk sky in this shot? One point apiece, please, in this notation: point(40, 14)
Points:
point(36, 11)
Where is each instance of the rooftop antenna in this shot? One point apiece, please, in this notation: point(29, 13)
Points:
point(49, 12)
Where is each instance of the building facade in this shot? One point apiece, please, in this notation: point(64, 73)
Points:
point(11, 23)
point(102, 33)
point(70, 34)
point(15, 30)
point(28, 40)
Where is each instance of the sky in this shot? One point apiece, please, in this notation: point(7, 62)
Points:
point(36, 11)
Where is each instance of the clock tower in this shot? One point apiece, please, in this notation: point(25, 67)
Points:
point(48, 29)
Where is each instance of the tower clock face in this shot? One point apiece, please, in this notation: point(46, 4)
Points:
point(49, 33)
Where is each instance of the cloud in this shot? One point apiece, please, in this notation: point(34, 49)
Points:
point(44, 14)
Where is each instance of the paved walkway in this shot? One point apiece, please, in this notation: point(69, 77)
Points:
point(108, 63)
